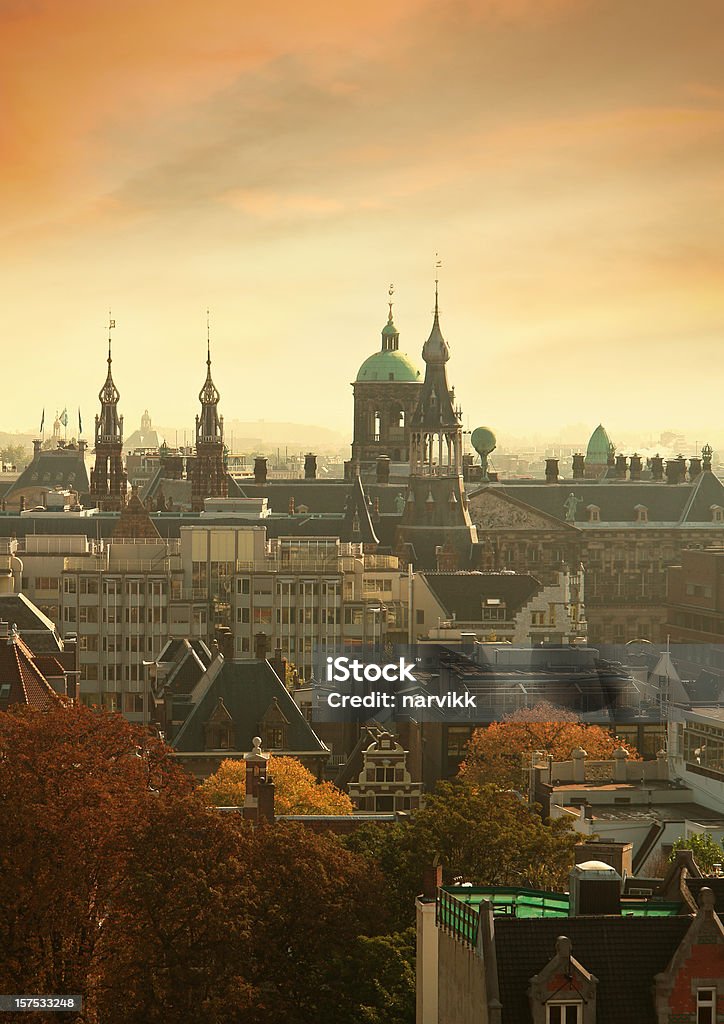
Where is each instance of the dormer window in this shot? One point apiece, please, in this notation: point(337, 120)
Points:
point(564, 1013)
point(594, 513)
point(641, 513)
point(717, 514)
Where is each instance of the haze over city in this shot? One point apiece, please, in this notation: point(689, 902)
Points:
point(284, 165)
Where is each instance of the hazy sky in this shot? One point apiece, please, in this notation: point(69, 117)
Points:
point(283, 162)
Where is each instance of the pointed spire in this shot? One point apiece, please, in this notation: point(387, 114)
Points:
point(435, 349)
point(209, 426)
point(390, 334)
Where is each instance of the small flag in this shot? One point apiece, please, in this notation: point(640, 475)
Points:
point(42, 421)
point(64, 417)
point(80, 422)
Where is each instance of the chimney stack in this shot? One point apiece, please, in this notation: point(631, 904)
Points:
point(657, 468)
point(383, 469)
point(431, 880)
point(260, 469)
point(551, 471)
point(635, 467)
point(579, 466)
point(621, 466)
point(265, 807)
point(260, 646)
point(694, 468)
point(310, 467)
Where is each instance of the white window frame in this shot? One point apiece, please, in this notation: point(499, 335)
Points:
point(562, 1004)
point(706, 1000)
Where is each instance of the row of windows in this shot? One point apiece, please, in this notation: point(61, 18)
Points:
point(90, 585)
point(112, 673)
point(304, 588)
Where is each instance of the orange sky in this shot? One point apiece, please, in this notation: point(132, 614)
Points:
point(283, 162)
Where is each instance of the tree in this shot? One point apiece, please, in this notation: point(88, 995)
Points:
point(491, 838)
point(498, 754)
point(706, 850)
point(296, 791)
point(71, 781)
point(385, 978)
point(15, 455)
point(314, 899)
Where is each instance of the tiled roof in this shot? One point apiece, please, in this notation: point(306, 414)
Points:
point(248, 689)
point(624, 953)
point(63, 467)
point(27, 684)
point(463, 593)
point(37, 629)
point(135, 522)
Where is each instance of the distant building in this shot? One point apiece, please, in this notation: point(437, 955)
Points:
point(108, 480)
point(386, 392)
point(60, 468)
point(146, 438)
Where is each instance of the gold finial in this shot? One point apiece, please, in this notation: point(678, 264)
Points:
point(390, 292)
point(438, 264)
point(208, 337)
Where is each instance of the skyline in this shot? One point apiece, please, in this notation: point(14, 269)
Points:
point(563, 157)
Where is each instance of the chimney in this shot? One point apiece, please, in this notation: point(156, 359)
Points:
point(621, 466)
point(635, 467)
point(673, 471)
point(579, 466)
point(260, 646)
point(260, 469)
point(595, 889)
point(291, 506)
point(657, 468)
point(694, 468)
point(82, 445)
point(431, 880)
point(22, 502)
point(37, 446)
point(225, 642)
point(617, 853)
point(265, 808)
point(383, 469)
point(310, 467)
point(279, 663)
point(256, 769)
point(551, 471)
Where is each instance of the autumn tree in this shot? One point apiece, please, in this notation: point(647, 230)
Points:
point(71, 780)
point(296, 791)
point(499, 753)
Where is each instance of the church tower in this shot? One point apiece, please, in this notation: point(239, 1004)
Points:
point(436, 531)
point(386, 393)
point(208, 471)
point(108, 482)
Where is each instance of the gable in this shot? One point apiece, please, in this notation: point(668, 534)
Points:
point(493, 509)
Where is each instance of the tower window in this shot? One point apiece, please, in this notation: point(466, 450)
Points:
point(564, 1013)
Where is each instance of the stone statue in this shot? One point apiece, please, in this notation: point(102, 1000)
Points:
point(570, 505)
point(399, 503)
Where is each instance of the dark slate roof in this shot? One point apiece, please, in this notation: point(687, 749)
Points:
point(327, 496)
point(35, 627)
point(624, 953)
point(464, 592)
point(248, 689)
point(61, 467)
point(617, 499)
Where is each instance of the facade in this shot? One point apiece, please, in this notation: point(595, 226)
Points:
point(625, 532)
point(495, 606)
point(386, 392)
point(696, 747)
point(61, 467)
point(385, 783)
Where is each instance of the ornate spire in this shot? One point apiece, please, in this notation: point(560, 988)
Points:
point(435, 349)
point(109, 424)
point(209, 426)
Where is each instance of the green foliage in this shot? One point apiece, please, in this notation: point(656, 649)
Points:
point(386, 978)
point(706, 850)
point(15, 455)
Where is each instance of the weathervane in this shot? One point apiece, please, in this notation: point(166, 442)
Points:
point(390, 292)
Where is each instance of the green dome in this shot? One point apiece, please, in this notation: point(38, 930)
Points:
point(390, 366)
point(598, 446)
point(389, 330)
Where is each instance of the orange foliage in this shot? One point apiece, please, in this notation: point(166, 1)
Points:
point(497, 754)
point(296, 790)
